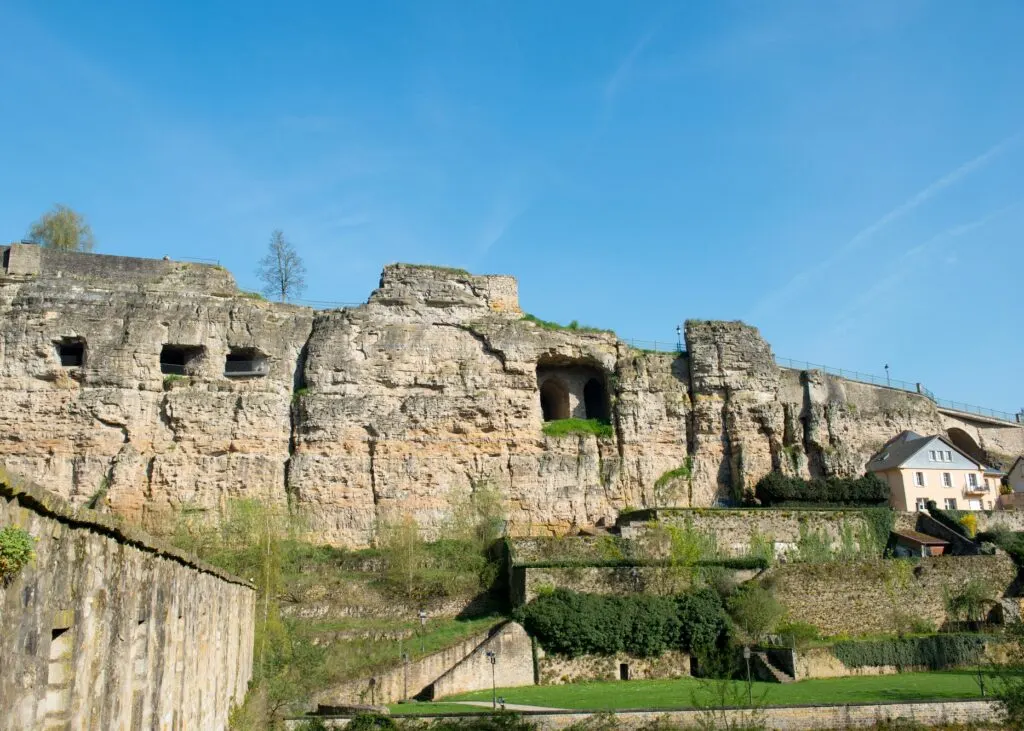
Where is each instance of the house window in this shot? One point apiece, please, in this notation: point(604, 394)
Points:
point(922, 504)
point(972, 479)
point(947, 479)
point(931, 456)
point(919, 479)
point(950, 503)
point(949, 456)
point(988, 504)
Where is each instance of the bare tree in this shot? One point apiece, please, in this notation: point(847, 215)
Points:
point(282, 272)
point(62, 228)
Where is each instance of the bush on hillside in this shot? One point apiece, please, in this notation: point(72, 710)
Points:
point(777, 489)
point(949, 518)
point(572, 624)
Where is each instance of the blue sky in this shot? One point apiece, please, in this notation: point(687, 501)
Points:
point(848, 177)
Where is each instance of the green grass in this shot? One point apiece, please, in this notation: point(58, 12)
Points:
point(356, 657)
point(447, 270)
point(682, 693)
point(574, 325)
point(568, 427)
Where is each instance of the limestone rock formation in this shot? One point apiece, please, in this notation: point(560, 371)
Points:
point(161, 384)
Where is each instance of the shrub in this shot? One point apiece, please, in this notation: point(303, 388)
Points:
point(756, 611)
point(798, 634)
point(777, 489)
point(370, 722)
point(970, 524)
point(935, 652)
point(15, 551)
point(572, 624)
point(574, 325)
point(567, 427)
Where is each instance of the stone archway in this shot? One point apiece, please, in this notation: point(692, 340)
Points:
point(966, 444)
point(554, 400)
point(595, 400)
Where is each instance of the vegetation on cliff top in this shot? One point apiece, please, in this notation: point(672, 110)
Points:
point(573, 326)
point(569, 427)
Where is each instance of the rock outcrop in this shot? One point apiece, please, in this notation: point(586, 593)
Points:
point(436, 388)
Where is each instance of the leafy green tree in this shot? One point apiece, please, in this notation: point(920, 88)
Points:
point(282, 272)
point(756, 611)
point(62, 228)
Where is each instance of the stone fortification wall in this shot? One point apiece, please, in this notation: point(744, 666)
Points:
point(108, 628)
point(403, 681)
point(513, 666)
point(558, 670)
point(787, 718)
point(734, 529)
point(407, 404)
point(864, 597)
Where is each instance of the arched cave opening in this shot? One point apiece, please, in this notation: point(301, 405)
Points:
point(554, 400)
point(966, 444)
point(595, 400)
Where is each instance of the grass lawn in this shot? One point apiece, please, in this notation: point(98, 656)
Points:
point(664, 694)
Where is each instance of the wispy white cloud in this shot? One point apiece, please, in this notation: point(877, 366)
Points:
point(798, 282)
point(901, 268)
point(622, 71)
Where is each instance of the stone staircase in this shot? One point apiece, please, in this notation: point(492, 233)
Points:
point(765, 670)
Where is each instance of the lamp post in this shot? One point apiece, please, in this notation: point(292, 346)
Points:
point(679, 339)
point(423, 626)
point(888, 381)
point(746, 656)
point(493, 659)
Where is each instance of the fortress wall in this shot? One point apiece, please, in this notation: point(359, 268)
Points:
point(108, 628)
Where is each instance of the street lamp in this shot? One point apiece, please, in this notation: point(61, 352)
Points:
point(746, 656)
point(493, 659)
point(423, 625)
point(888, 381)
point(679, 339)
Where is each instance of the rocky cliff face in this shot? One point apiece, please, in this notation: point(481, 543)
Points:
point(435, 388)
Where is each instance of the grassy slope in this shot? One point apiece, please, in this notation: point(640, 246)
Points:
point(357, 657)
point(664, 694)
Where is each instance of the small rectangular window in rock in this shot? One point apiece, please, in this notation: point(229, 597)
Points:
point(71, 353)
point(245, 362)
point(181, 360)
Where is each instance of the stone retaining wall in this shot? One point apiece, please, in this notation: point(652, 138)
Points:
point(787, 718)
point(734, 528)
point(107, 628)
point(513, 666)
point(864, 597)
point(558, 670)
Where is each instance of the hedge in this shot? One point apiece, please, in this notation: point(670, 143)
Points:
point(571, 624)
point(935, 652)
point(777, 489)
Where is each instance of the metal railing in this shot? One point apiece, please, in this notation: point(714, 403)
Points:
point(888, 382)
point(979, 410)
point(658, 346)
point(849, 375)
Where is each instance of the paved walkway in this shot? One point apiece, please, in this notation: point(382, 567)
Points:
point(508, 706)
